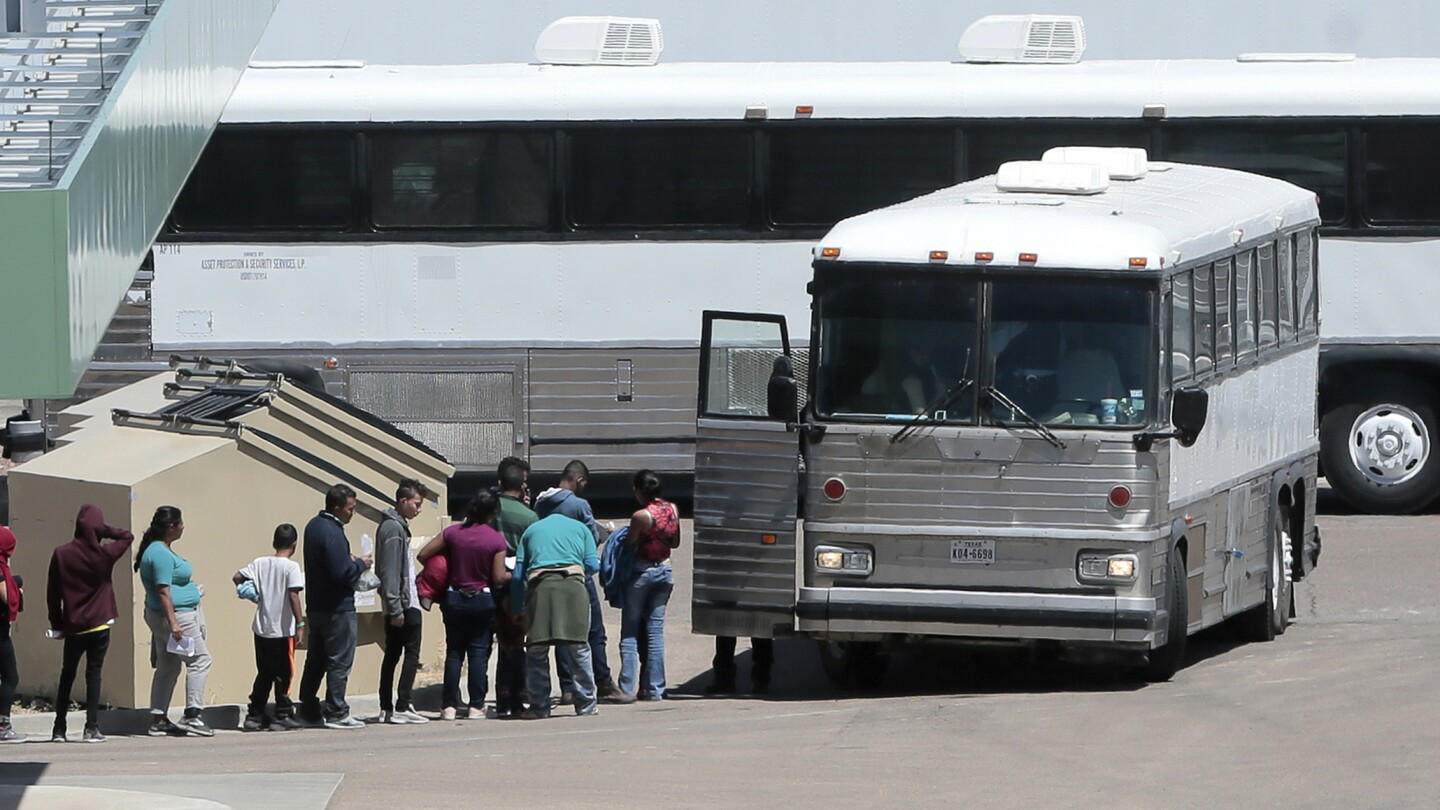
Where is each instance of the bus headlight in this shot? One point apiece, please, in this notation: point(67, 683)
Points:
point(847, 561)
point(1107, 567)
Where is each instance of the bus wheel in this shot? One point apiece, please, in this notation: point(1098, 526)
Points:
point(854, 664)
point(1165, 661)
point(1270, 618)
point(1378, 453)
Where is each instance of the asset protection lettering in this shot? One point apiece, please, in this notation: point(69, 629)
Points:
point(253, 264)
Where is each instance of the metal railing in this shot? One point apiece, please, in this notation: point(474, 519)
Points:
point(53, 83)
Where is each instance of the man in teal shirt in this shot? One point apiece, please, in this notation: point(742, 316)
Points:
point(555, 558)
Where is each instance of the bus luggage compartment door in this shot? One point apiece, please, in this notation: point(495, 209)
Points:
point(746, 479)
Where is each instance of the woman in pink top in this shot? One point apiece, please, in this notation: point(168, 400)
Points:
point(475, 559)
point(654, 532)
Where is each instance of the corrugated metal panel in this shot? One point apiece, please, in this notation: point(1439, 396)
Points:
point(467, 445)
point(745, 487)
point(487, 396)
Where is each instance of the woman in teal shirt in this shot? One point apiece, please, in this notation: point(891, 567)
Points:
point(172, 610)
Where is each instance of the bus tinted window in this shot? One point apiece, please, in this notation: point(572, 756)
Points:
point(460, 179)
point(1245, 314)
point(1266, 285)
point(1311, 158)
point(1181, 328)
point(1224, 312)
point(989, 145)
point(1400, 160)
point(819, 176)
point(1204, 320)
point(271, 181)
point(1285, 275)
point(639, 177)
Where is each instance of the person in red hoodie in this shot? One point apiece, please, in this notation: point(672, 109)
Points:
point(9, 612)
point(81, 601)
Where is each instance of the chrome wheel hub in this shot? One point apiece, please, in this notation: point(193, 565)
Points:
point(1389, 444)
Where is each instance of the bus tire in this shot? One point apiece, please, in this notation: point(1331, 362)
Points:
point(1165, 661)
point(1270, 618)
point(1377, 450)
point(853, 664)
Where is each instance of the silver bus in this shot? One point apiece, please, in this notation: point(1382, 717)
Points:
point(1070, 404)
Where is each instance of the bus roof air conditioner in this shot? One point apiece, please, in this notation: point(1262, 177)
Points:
point(1035, 176)
point(1043, 39)
point(1120, 162)
point(600, 41)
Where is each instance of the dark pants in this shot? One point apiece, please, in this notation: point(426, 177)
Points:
point(93, 646)
point(330, 655)
point(510, 668)
point(405, 640)
point(762, 658)
point(9, 670)
point(274, 669)
point(469, 628)
point(597, 646)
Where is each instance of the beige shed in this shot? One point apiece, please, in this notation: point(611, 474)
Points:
point(239, 454)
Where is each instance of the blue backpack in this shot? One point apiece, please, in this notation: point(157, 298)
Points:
point(617, 567)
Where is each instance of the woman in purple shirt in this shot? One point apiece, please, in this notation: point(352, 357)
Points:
point(475, 557)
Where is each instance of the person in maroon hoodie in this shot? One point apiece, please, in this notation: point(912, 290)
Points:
point(9, 612)
point(81, 599)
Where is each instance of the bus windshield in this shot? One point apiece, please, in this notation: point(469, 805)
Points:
point(895, 347)
point(1069, 353)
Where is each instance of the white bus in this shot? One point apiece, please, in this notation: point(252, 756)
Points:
point(511, 258)
point(1068, 405)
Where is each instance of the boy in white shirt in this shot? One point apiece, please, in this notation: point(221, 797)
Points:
point(279, 620)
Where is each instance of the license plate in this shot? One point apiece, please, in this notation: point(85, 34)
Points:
point(972, 552)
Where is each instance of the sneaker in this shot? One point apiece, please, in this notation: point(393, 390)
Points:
point(8, 734)
point(286, 724)
point(619, 698)
point(412, 716)
point(196, 726)
point(650, 697)
point(92, 735)
point(58, 736)
point(606, 688)
point(253, 723)
point(506, 713)
point(475, 714)
point(164, 728)
point(346, 723)
point(567, 698)
point(587, 711)
point(448, 714)
point(535, 714)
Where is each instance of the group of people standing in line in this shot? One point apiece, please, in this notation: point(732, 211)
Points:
point(514, 572)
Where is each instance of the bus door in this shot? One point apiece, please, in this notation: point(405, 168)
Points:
point(746, 478)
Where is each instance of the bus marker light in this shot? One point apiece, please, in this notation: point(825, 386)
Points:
point(804, 111)
point(834, 489)
point(986, 256)
point(939, 255)
point(332, 362)
point(829, 253)
point(1029, 258)
point(1138, 261)
point(768, 539)
point(1120, 496)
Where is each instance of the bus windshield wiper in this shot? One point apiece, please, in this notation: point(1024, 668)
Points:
point(999, 396)
point(946, 397)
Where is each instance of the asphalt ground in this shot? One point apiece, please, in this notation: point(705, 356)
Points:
point(1341, 711)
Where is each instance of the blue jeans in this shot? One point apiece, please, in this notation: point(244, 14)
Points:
point(469, 625)
point(644, 612)
point(598, 659)
point(537, 659)
point(330, 655)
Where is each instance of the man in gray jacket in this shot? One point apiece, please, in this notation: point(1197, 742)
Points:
point(395, 566)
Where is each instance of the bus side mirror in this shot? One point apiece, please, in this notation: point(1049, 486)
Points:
point(782, 393)
point(1189, 408)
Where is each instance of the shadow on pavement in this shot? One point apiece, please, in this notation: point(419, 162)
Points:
point(18, 773)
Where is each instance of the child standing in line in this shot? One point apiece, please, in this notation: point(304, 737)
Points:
point(279, 620)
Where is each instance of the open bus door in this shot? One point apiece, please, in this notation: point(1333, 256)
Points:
point(746, 478)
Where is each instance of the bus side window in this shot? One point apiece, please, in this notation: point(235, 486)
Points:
point(1305, 297)
point(1224, 313)
point(1245, 304)
point(1204, 321)
point(1285, 275)
point(1266, 285)
point(1182, 335)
